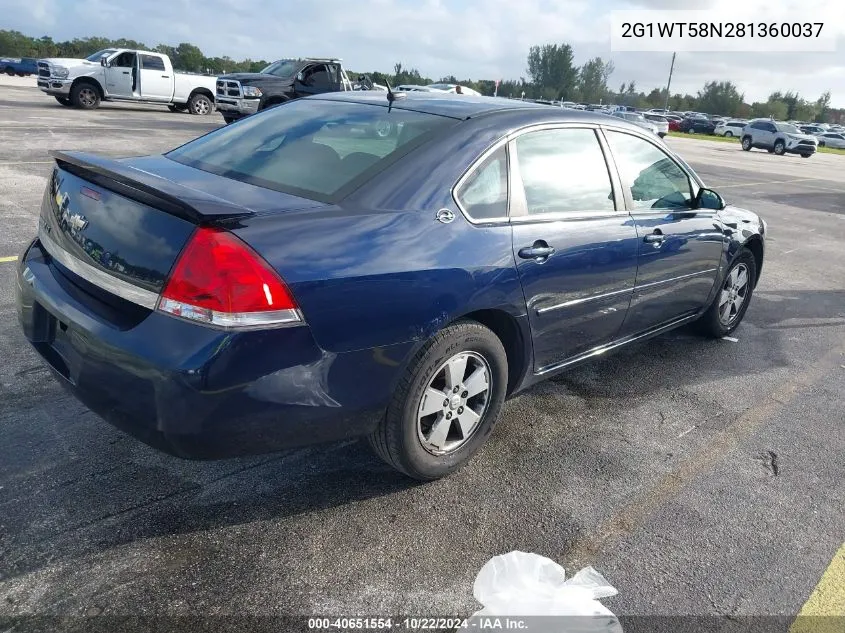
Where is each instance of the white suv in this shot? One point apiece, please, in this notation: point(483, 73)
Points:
point(730, 128)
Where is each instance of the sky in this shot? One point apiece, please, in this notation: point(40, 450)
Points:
point(474, 39)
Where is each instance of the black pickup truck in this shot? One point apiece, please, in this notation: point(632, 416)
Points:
point(241, 94)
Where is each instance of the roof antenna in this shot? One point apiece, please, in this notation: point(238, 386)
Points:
point(392, 96)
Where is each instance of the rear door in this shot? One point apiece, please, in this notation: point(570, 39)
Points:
point(156, 78)
point(575, 245)
point(680, 248)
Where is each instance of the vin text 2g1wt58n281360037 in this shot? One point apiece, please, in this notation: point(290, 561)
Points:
point(292, 279)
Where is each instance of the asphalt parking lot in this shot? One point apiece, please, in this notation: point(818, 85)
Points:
point(700, 477)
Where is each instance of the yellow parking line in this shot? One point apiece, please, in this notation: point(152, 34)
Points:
point(825, 609)
point(13, 258)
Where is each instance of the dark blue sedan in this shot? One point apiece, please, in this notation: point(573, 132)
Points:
point(297, 278)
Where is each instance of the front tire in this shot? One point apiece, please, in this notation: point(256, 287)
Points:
point(85, 95)
point(731, 301)
point(746, 143)
point(64, 101)
point(729, 134)
point(200, 105)
point(446, 403)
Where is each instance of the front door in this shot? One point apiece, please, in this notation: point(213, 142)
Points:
point(680, 247)
point(317, 79)
point(156, 81)
point(122, 76)
point(575, 245)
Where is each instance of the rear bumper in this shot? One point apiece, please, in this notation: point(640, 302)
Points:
point(193, 391)
point(55, 87)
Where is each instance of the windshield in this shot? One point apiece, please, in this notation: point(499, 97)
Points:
point(316, 149)
point(788, 129)
point(281, 68)
point(96, 56)
point(441, 86)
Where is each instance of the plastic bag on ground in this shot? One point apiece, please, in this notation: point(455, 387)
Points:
point(533, 590)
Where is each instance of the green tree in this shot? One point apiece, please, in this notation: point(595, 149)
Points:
point(552, 70)
point(823, 107)
point(720, 97)
point(189, 57)
point(593, 77)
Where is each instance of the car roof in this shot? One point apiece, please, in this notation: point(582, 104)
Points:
point(464, 106)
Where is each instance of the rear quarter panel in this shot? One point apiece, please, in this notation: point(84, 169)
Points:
point(184, 84)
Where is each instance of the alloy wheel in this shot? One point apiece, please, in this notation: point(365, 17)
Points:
point(454, 403)
point(734, 294)
point(202, 106)
point(88, 97)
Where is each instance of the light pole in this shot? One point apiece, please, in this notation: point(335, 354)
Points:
point(669, 83)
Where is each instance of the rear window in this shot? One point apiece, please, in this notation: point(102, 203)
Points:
point(316, 149)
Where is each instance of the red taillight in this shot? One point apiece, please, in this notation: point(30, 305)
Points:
point(220, 280)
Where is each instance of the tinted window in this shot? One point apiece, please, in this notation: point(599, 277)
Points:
point(484, 194)
point(281, 68)
point(152, 62)
point(735, 124)
point(655, 180)
point(787, 128)
point(309, 147)
point(564, 170)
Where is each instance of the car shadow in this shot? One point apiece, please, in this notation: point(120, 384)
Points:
point(71, 485)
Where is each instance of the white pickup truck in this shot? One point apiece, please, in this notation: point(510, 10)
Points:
point(119, 74)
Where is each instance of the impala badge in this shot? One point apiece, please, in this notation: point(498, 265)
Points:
point(445, 216)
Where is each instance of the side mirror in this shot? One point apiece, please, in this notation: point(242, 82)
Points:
point(709, 199)
point(300, 77)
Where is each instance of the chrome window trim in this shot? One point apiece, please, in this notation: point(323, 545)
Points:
point(103, 280)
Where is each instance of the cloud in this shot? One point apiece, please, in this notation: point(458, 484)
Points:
point(468, 38)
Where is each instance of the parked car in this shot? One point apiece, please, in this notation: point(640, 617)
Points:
point(813, 130)
point(454, 89)
point(697, 125)
point(675, 125)
point(730, 128)
point(242, 94)
point(660, 122)
point(20, 66)
point(835, 140)
point(637, 119)
point(286, 282)
point(120, 74)
point(777, 137)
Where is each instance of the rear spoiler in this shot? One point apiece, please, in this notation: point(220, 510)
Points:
point(150, 189)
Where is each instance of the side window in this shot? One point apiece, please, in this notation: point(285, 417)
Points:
point(316, 76)
point(564, 170)
point(758, 125)
point(152, 62)
point(655, 180)
point(124, 60)
point(771, 127)
point(484, 194)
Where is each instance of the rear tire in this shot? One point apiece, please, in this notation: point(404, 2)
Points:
point(729, 134)
point(85, 95)
point(200, 105)
point(746, 143)
point(721, 319)
point(806, 155)
point(228, 120)
point(10, 71)
point(779, 148)
point(406, 438)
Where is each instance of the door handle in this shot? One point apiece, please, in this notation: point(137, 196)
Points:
point(654, 238)
point(539, 251)
point(125, 72)
point(165, 76)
